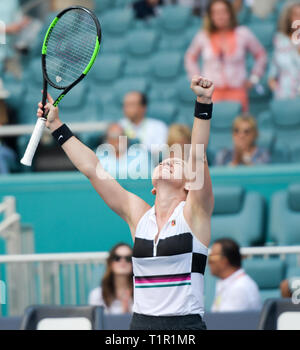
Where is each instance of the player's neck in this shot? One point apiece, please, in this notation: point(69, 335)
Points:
point(166, 201)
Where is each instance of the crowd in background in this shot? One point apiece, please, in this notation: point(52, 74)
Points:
point(222, 45)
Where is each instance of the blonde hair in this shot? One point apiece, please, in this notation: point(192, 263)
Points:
point(248, 119)
point(208, 24)
point(284, 23)
point(177, 132)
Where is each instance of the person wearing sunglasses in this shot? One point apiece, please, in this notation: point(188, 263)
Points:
point(116, 290)
point(245, 151)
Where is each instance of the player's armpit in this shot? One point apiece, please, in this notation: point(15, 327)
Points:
point(124, 203)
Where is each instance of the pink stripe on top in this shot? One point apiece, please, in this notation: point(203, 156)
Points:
point(169, 279)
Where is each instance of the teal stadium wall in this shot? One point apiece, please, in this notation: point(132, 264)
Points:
point(68, 215)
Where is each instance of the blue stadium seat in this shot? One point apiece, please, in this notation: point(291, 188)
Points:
point(165, 71)
point(140, 47)
point(186, 99)
point(108, 68)
point(293, 271)
point(221, 125)
point(238, 215)
point(123, 3)
point(267, 273)
point(264, 31)
point(192, 31)
point(284, 216)
point(85, 316)
point(173, 22)
point(164, 111)
point(16, 89)
point(116, 24)
point(285, 118)
point(175, 18)
point(101, 6)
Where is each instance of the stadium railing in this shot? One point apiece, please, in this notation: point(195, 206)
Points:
point(67, 278)
point(26, 129)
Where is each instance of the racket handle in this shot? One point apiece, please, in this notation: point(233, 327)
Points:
point(34, 141)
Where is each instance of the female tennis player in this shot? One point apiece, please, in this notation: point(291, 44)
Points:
point(170, 238)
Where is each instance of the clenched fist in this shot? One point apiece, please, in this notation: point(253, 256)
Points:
point(203, 88)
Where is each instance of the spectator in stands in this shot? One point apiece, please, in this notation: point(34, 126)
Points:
point(116, 290)
point(7, 155)
point(13, 26)
point(235, 291)
point(144, 9)
point(245, 151)
point(150, 132)
point(179, 135)
point(120, 161)
point(223, 46)
point(284, 72)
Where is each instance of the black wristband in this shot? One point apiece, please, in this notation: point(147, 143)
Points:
point(203, 110)
point(62, 134)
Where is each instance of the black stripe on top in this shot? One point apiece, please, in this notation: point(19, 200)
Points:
point(199, 263)
point(174, 245)
point(143, 248)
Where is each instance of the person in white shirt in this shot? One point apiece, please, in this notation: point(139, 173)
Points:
point(116, 291)
point(235, 290)
point(152, 133)
point(120, 160)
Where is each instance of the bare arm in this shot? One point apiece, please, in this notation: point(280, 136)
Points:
point(126, 204)
point(200, 202)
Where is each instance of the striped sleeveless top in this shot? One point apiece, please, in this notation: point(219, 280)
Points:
point(168, 274)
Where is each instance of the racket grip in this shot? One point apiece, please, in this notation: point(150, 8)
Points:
point(34, 141)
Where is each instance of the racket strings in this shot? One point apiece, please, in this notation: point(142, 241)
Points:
point(70, 47)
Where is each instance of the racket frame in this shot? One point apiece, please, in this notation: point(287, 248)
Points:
point(44, 54)
point(40, 126)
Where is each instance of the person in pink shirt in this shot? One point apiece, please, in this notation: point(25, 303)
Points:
point(223, 46)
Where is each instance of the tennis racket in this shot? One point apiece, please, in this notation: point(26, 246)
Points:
point(70, 48)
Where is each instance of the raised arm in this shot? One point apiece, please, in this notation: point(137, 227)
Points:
point(126, 204)
point(200, 202)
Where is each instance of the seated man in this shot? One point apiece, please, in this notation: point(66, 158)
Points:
point(120, 160)
point(235, 291)
point(138, 128)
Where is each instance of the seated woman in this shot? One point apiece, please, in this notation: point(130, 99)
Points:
point(284, 71)
point(116, 290)
point(245, 151)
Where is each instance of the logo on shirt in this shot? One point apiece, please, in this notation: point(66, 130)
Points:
point(173, 222)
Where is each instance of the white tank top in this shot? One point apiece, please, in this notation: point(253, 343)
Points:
point(168, 274)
